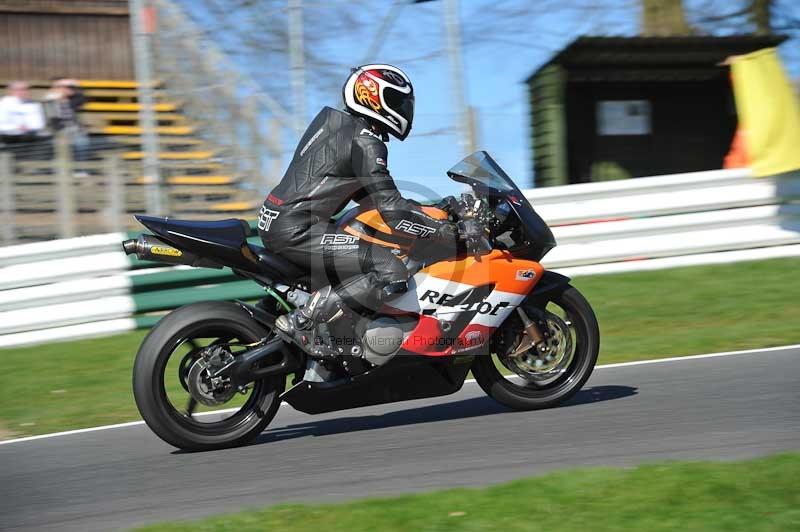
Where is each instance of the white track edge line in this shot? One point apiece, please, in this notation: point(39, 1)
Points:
point(468, 381)
point(698, 357)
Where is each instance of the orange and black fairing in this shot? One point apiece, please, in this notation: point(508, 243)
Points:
point(461, 302)
point(370, 227)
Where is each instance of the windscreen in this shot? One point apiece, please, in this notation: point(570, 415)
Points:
point(481, 172)
point(480, 169)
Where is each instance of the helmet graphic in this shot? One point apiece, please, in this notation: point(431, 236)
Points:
point(381, 93)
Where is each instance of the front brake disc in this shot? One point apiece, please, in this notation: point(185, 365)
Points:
point(538, 366)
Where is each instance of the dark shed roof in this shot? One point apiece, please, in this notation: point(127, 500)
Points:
point(601, 54)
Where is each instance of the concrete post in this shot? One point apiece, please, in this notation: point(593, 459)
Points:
point(8, 219)
point(116, 192)
point(65, 188)
point(142, 28)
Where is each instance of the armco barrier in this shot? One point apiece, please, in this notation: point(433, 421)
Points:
point(87, 286)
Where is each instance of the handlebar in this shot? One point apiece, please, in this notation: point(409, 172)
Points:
point(475, 220)
point(475, 233)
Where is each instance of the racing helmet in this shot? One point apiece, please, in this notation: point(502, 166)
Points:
point(383, 95)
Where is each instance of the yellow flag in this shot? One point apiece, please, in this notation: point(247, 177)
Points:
point(769, 112)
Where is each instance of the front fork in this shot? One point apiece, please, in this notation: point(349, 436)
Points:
point(535, 338)
point(550, 284)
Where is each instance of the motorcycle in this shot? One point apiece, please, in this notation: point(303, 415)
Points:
point(212, 375)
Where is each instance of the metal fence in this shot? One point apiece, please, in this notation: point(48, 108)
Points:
point(50, 189)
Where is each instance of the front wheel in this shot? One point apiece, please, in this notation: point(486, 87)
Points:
point(175, 388)
point(529, 379)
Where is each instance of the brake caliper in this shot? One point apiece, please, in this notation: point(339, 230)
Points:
point(205, 383)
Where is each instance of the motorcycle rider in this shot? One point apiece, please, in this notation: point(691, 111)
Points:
point(342, 156)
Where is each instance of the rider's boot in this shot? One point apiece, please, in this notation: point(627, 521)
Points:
point(308, 326)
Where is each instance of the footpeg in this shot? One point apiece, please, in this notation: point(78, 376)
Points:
point(306, 339)
point(284, 324)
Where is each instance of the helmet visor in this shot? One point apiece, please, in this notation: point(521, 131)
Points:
point(407, 109)
point(402, 104)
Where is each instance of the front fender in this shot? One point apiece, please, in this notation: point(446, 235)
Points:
point(549, 286)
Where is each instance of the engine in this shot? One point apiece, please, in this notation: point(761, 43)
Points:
point(383, 337)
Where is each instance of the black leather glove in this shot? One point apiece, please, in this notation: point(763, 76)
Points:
point(448, 232)
point(446, 203)
point(469, 229)
point(475, 235)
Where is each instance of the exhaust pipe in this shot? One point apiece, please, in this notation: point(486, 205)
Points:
point(150, 247)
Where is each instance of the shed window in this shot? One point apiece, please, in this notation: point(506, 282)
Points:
point(623, 117)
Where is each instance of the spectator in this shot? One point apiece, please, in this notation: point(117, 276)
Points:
point(62, 104)
point(21, 119)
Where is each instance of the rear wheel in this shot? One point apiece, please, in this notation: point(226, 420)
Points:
point(528, 379)
point(173, 382)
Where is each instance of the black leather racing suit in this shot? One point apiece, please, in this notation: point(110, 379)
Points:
point(340, 158)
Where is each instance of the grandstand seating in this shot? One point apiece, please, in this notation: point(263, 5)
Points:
point(198, 181)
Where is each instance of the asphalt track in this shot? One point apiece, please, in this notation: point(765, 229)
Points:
point(726, 407)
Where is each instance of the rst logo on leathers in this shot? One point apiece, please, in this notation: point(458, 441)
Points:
point(265, 218)
point(332, 241)
point(412, 228)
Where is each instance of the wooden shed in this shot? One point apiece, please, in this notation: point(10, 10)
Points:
point(617, 107)
point(42, 39)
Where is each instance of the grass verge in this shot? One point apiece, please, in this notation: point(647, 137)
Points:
point(642, 315)
point(755, 495)
point(701, 309)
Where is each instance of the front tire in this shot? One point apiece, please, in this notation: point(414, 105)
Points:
point(522, 394)
point(154, 396)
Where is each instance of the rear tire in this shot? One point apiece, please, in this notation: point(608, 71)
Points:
point(530, 396)
point(149, 386)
